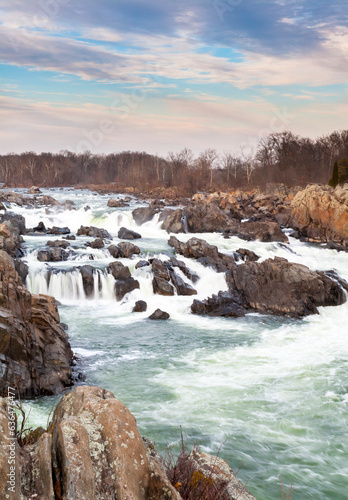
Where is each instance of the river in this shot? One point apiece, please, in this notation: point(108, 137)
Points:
point(271, 392)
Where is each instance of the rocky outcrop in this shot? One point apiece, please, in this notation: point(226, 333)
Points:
point(321, 213)
point(54, 254)
point(112, 203)
point(12, 227)
point(144, 214)
point(274, 286)
point(264, 231)
point(91, 450)
point(35, 355)
point(128, 249)
point(208, 255)
point(166, 280)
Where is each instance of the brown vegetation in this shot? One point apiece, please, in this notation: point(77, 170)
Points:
point(280, 157)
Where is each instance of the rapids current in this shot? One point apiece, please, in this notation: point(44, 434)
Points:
point(271, 392)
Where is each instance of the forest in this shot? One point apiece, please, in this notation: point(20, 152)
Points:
point(280, 157)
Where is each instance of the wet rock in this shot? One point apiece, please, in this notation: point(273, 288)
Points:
point(181, 286)
point(40, 228)
point(223, 304)
point(22, 269)
point(54, 254)
point(191, 275)
point(246, 255)
point(70, 237)
point(144, 214)
point(114, 251)
point(87, 273)
point(263, 231)
point(119, 271)
point(116, 203)
point(161, 286)
point(58, 230)
point(127, 234)
point(158, 315)
point(208, 255)
point(140, 306)
point(128, 249)
point(95, 232)
point(124, 286)
point(97, 243)
point(142, 263)
point(47, 200)
point(172, 220)
point(58, 244)
point(34, 347)
point(160, 269)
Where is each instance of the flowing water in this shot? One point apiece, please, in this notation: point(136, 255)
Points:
point(271, 392)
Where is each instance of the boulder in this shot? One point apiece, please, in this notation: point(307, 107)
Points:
point(214, 470)
point(127, 234)
point(40, 228)
point(57, 244)
point(158, 315)
point(206, 218)
point(182, 288)
point(140, 306)
point(161, 286)
point(97, 243)
point(173, 221)
point(208, 255)
point(263, 231)
point(119, 271)
point(114, 251)
point(35, 352)
point(34, 190)
point(142, 263)
point(95, 232)
point(112, 203)
point(128, 249)
point(143, 214)
point(124, 286)
point(54, 254)
point(246, 255)
point(273, 286)
point(160, 269)
point(47, 200)
point(87, 273)
point(58, 230)
point(321, 213)
point(191, 275)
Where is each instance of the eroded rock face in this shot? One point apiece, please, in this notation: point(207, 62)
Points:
point(99, 453)
point(273, 286)
point(92, 450)
point(321, 213)
point(35, 352)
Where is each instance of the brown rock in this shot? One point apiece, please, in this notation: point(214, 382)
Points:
point(128, 249)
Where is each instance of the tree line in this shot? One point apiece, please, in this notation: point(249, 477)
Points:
point(280, 157)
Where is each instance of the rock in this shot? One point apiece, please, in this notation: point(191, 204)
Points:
point(70, 237)
point(15, 222)
point(142, 263)
point(2, 206)
point(162, 286)
point(173, 220)
point(273, 286)
point(116, 203)
point(54, 254)
point(160, 269)
point(158, 314)
point(34, 347)
point(123, 286)
point(47, 200)
point(40, 228)
point(263, 231)
point(58, 230)
point(321, 213)
point(114, 251)
point(119, 271)
point(127, 234)
point(58, 244)
point(207, 255)
point(214, 470)
point(97, 243)
point(144, 214)
point(206, 218)
point(95, 232)
point(87, 273)
point(34, 190)
point(22, 269)
point(191, 275)
point(246, 255)
point(181, 286)
point(140, 306)
point(97, 450)
point(128, 249)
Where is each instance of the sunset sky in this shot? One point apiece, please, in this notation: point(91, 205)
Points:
point(162, 75)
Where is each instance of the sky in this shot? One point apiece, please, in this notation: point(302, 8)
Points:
point(159, 76)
